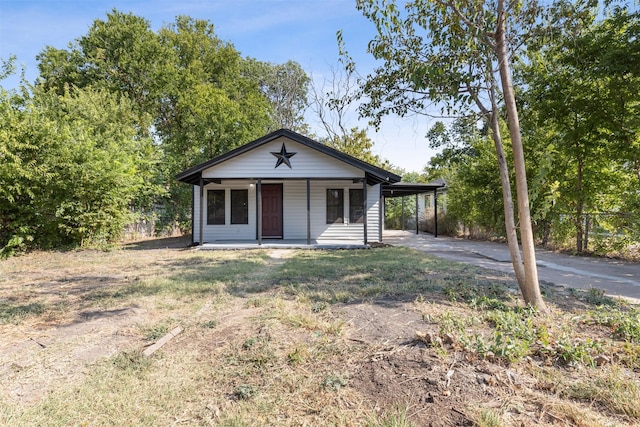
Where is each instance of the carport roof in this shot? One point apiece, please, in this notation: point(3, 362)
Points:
point(400, 189)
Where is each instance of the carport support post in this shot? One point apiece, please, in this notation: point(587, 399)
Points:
point(259, 209)
point(417, 216)
point(435, 213)
point(402, 213)
point(201, 210)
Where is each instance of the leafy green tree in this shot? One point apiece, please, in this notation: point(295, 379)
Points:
point(121, 54)
point(73, 165)
point(457, 55)
point(473, 185)
point(207, 108)
point(454, 142)
point(286, 87)
point(184, 77)
point(356, 143)
point(591, 163)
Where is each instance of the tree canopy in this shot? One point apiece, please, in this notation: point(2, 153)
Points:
point(455, 57)
point(112, 118)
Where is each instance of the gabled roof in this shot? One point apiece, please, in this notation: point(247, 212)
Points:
point(373, 174)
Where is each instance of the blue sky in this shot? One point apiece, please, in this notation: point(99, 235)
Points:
point(269, 30)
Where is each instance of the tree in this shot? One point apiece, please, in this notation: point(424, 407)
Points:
point(207, 106)
point(73, 165)
point(474, 197)
point(121, 54)
point(592, 164)
point(184, 77)
point(332, 108)
point(450, 53)
point(286, 87)
point(454, 142)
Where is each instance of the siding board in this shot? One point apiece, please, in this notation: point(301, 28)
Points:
point(294, 212)
point(260, 163)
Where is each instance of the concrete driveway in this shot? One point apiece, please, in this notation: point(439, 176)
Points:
point(617, 278)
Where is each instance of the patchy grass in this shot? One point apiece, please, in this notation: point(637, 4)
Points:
point(380, 337)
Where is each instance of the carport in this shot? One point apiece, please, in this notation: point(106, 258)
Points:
point(402, 189)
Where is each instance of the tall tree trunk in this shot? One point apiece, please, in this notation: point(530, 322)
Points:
point(579, 210)
point(531, 289)
point(509, 214)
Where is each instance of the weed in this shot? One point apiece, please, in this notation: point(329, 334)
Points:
point(244, 392)
point(488, 418)
point(478, 345)
point(131, 361)
point(596, 296)
point(484, 303)
point(258, 352)
point(453, 323)
point(624, 323)
point(628, 327)
point(508, 347)
point(334, 382)
point(630, 355)
point(513, 324)
point(16, 314)
point(298, 356)
point(395, 418)
point(572, 352)
point(209, 324)
point(156, 331)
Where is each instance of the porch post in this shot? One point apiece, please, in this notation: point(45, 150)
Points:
point(308, 211)
point(417, 216)
point(380, 213)
point(435, 213)
point(259, 210)
point(402, 213)
point(201, 209)
point(364, 206)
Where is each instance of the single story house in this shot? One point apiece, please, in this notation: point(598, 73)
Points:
point(286, 186)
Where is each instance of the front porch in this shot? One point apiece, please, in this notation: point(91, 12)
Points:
point(284, 244)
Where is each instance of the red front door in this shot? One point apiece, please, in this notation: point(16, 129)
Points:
point(272, 211)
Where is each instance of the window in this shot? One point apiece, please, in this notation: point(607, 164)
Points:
point(239, 206)
point(356, 206)
point(335, 206)
point(215, 207)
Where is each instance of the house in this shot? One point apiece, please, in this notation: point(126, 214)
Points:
point(289, 187)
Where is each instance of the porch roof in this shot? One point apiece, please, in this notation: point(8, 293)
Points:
point(373, 174)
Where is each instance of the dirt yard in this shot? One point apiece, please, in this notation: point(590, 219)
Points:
point(270, 340)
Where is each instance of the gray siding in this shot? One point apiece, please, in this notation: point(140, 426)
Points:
point(260, 163)
point(227, 231)
point(294, 212)
point(373, 214)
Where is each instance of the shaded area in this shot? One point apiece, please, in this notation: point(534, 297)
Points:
point(163, 243)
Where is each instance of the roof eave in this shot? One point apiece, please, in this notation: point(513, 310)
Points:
point(374, 174)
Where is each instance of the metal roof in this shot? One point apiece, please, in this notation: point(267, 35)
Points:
point(400, 189)
point(373, 174)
